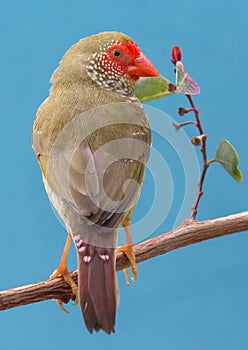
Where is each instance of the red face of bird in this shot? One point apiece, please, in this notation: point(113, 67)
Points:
point(125, 58)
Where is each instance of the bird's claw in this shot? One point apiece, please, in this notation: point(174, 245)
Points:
point(61, 305)
point(128, 250)
point(69, 280)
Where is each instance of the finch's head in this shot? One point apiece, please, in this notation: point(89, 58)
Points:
point(111, 60)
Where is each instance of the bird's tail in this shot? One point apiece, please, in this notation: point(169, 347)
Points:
point(97, 285)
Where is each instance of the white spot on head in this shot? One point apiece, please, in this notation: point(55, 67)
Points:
point(107, 73)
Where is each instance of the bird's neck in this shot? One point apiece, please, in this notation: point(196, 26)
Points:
point(86, 94)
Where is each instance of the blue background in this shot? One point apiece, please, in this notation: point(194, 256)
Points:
point(192, 298)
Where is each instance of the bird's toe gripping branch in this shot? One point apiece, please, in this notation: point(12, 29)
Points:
point(128, 250)
point(63, 271)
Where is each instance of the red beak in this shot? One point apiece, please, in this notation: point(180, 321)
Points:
point(142, 67)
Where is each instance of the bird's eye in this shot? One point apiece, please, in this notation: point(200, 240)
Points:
point(116, 53)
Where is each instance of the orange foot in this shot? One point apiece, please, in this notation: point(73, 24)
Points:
point(63, 271)
point(128, 250)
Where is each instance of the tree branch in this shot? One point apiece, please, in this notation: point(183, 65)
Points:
point(189, 232)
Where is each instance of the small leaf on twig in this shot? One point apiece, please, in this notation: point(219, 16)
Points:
point(185, 84)
point(148, 89)
point(228, 157)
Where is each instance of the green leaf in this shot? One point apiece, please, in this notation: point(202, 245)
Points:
point(228, 157)
point(148, 89)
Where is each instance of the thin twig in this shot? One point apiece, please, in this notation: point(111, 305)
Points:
point(189, 232)
point(204, 158)
point(196, 112)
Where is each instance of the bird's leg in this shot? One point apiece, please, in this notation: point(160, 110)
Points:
point(128, 250)
point(62, 270)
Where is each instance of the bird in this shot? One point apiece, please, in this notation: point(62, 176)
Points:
point(92, 139)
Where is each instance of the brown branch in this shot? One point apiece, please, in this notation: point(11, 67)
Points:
point(189, 232)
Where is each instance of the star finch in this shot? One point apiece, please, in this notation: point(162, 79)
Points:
point(91, 137)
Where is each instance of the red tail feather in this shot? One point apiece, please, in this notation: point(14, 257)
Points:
point(97, 286)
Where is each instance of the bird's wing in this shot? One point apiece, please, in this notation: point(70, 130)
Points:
point(98, 171)
point(108, 189)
